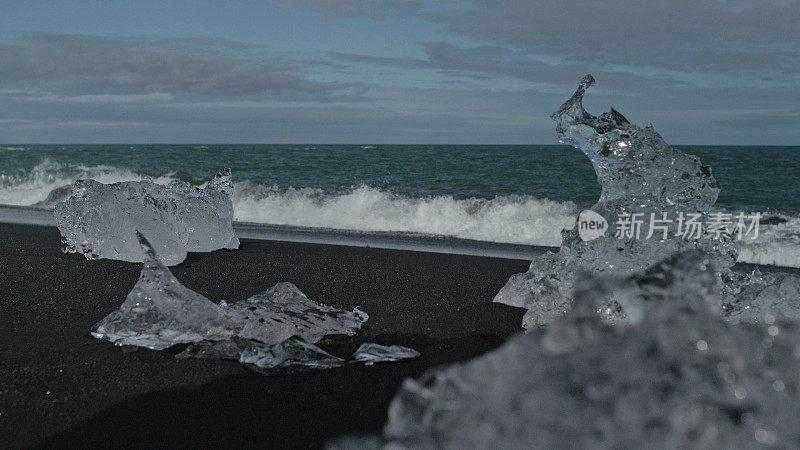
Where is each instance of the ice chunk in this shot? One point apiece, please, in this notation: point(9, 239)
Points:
point(634, 165)
point(753, 296)
point(225, 349)
point(638, 174)
point(283, 311)
point(369, 353)
point(673, 374)
point(100, 220)
point(160, 312)
point(293, 353)
point(642, 347)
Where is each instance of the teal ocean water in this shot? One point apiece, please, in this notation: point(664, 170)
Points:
point(764, 178)
point(520, 194)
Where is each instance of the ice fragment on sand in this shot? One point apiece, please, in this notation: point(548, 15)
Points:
point(674, 374)
point(293, 353)
point(160, 312)
point(225, 349)
point(369, 353)
point(100, 220)
point(283, 311)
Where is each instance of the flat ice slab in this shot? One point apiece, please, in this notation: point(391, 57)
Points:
point(370, 353)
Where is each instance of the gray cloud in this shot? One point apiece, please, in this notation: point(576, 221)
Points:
point(755, 38)
point(203, 68)
point(759, 36)
point(702, 72)
point(374, 9)
point(486, 62)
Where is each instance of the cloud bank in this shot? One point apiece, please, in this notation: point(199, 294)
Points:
point(709, 71)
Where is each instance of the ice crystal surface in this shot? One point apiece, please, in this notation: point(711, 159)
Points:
point(293, 353)
point(641, 361)
point(160, 312)
point(370, 353)
point(283, 311)
point(224, 349)
point(639, 174)
point(101, 220)
point(748, 297)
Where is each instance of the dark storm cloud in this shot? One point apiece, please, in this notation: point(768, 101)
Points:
point(202, 68)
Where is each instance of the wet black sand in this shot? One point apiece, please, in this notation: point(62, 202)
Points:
point(60, 387)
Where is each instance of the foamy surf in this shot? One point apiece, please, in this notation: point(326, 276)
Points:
point(514, 219)
point(40, 186)
point(511, 219)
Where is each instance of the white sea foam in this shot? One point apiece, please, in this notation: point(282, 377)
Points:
point(516, 219)
point(34, 186)
point(776, 245)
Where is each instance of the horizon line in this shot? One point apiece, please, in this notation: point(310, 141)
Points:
point(362, 144)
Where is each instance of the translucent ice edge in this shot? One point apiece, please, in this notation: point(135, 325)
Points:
point(370, 353)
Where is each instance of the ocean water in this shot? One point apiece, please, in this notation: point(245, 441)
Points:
point(516, 194)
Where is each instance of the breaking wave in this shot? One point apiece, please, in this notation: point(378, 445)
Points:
point(44, 184)
point(517, 219)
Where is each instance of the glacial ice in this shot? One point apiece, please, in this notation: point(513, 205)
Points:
point(638, 174)
point(370, 353)
point(224, 349)
point(160, 312)
point(640, 361)
point(747, 297)
point(647, 343)
point(100, 220)
point(283, 311)
point(293, 353)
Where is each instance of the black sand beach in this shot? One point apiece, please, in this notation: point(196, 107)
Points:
point(61, 387)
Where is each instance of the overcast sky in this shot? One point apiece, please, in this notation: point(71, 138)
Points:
point(391, 71)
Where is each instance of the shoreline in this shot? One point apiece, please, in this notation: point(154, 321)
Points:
point(387, 240)
point(28, 215)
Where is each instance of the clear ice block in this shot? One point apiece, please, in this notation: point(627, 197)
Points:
point(101, 220)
